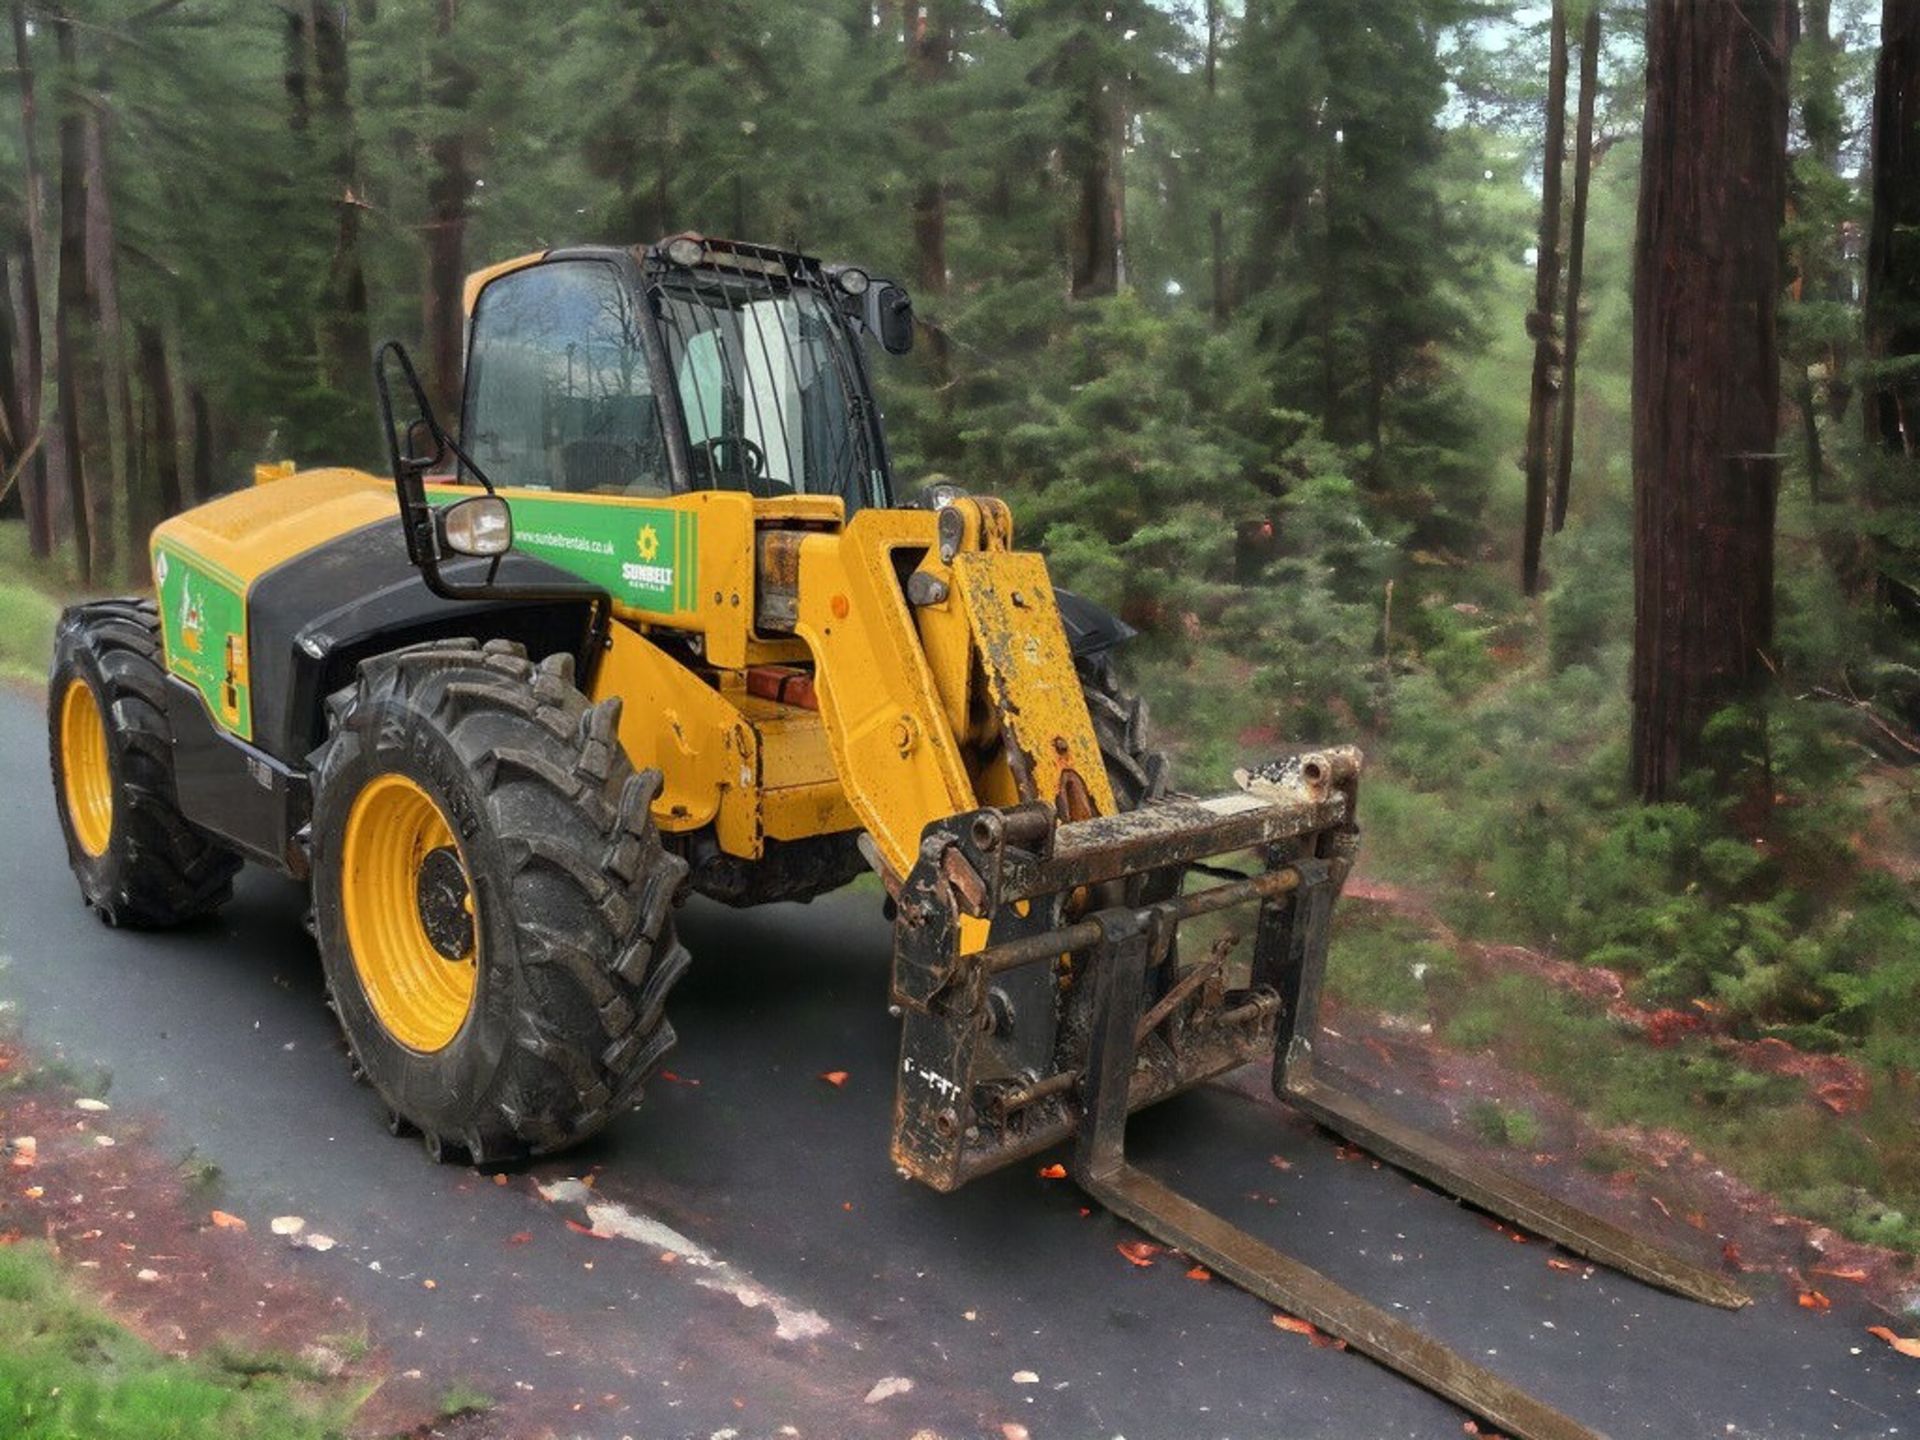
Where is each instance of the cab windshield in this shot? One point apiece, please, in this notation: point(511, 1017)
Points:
point(769, 387)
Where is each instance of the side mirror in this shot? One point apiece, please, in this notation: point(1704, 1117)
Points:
point(890, 316)
point(481, 525)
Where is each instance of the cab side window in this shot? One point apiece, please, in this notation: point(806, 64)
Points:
point(558, 392)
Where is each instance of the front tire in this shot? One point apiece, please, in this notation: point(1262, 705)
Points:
point(492, 903)
point(139, 861)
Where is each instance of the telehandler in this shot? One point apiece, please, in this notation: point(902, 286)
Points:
point(655, 621)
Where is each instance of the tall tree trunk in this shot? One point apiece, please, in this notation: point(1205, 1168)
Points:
point(1706, 384)
point(77, 376)
point(1820, 277)
point(203, 464)
point(1220, 301)
point(444, 312)
point(40, 476)
point(929, 47)
point(930, 62)
point(294, 72)
point(1576, 262)
point(1095, 143)
point(157, 380)
point(103, 284)
point(1546, 284)
point(1891, 402)
point(346, 346)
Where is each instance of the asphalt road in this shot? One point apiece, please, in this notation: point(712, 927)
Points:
point(807, 1272)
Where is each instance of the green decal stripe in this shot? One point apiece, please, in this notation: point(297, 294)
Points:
point(601, 543)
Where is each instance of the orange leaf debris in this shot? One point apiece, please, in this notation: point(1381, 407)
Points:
point(1199, 1272)
point(835, 1078)
point(1909, 1348)
point(1138, 1252)
point(226, 1221)
point(1814, 1300)
point(1055, 1171)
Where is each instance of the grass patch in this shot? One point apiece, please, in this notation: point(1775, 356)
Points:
point(32, 595)
point(68, 1372)
point(461, 1399)
point(1499, 1125)
point(1387, 963)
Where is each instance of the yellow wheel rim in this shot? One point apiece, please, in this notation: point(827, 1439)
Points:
point(408, 905)
point(84, 769)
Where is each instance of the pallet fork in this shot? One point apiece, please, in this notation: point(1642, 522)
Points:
point(982, 1084)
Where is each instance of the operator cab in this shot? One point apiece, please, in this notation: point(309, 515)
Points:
point(692, 364)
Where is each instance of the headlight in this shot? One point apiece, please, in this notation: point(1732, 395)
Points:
point(685, 250)
point(853, 280)
point(482, 525)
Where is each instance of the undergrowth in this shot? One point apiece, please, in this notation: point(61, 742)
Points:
point(67, 1372)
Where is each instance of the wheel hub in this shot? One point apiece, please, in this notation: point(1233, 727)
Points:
point(445, 903)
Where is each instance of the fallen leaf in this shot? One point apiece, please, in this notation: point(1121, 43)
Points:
point(520, 1237)
point(1320, 1340)
point(1814, 1300)
point(1025, 1377)
point(322, 1243)
point(227, 1222)
point(673, 1079)
point(1554, 1262)
point(1661, 1206)
point(1199, 1272)
point(499, 1179)
point(1348, 1152)
point(1293, 1324)
point(104, 1140)
point(834, 1077)
point(1909, 1348)
point(1835, 1272)
point(429, 1284)
point(149, 1276)
point(92, 1107)
point(34, 1192)
point(1138, 1252)
point(588, 1230)
point(286, 1224)
point(892, 1385)
point(1730, 1253)
point(1014, 1430)
point(1055, 1171)
point(1279, 1162)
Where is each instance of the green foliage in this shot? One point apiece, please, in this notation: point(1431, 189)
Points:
point(27, 614)
point(69, 1373)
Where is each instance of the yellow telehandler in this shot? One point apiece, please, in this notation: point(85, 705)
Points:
point(654, 620)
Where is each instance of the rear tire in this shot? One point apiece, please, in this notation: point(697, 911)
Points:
point(549, 846)
point(1137, 770)
point(139, 861)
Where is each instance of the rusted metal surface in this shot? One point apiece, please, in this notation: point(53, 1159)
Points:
point(1502, 1195)
point(1299, 1290)
point(1032, 686)
point(1125, 1026)
point(1129, 941)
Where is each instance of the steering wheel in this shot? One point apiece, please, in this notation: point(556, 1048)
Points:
point(721, 448)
